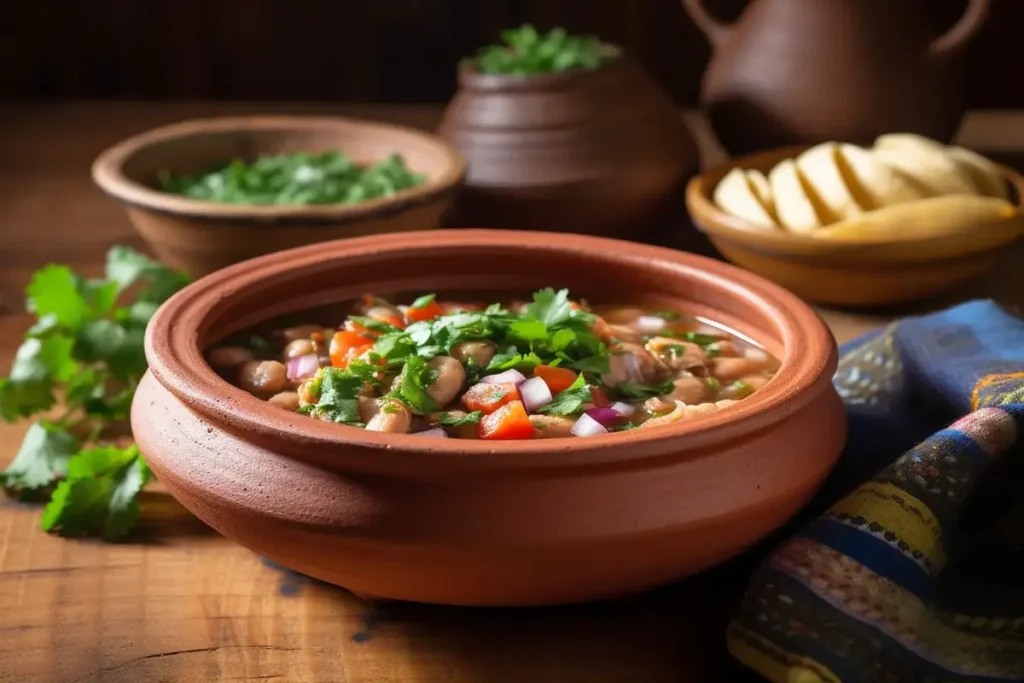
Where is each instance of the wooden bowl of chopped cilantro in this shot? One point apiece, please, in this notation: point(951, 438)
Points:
point(211, 192)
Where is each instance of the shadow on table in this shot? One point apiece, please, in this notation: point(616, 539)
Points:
point(671, 634)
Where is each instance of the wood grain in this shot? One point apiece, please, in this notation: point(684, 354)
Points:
point(180, 604)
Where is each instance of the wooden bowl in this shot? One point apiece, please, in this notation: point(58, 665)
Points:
point(204, 236)
point(848, 274)
point(487, 523)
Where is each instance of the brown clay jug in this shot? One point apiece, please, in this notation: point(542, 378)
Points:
point(598, 151)
point(793, 72)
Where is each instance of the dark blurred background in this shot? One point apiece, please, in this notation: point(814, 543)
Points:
point(373, 50)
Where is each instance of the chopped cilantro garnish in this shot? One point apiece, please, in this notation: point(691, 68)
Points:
point(638, 391)
point(571, 400)
point(742, 389)
point(701, 340)
point(668, 315)
point(417, 377)
point(713, 384)
point(525, 363)
point(451, 420)
point(338, 390)
point(373, 324)
point(625, 427)
point(424, 300)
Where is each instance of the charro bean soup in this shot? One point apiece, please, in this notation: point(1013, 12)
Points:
point(550, 368)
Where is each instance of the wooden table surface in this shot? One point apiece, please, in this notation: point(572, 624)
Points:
point(184, 605)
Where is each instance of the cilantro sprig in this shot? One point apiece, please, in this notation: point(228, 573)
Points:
point(85, 354)
point(525, 52)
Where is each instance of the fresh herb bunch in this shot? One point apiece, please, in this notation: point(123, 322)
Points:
point(85, 353)
point(549, 331)
point(524, 52)
point(296, 179)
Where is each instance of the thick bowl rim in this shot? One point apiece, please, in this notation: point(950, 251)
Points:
point(717, 223)
point(108, 172)
point(176, 361)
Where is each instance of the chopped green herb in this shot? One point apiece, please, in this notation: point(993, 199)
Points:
point(524, 363)
point(741, 389)
point(299, 178)
point(85, 351)
point(625, 427)
point(713, 384)
point(571, 400)
point(525, 52)
point(424, 300)
point(417, 377)
point(668, 315)
point(373, 324)
point(701, 340)
point(639, 391)
point(451, 420)
point(338, 390)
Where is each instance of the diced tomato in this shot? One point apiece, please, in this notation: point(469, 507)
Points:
point(428, 312)
point(346, 345)
point(393, 319)
point(557, 379)
point(489, 397)
point(508, 422)
point(598, 397)
point(602, 329)
point(353, 326)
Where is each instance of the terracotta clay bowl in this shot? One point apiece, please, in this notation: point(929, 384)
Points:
point(204, 236)
point(850, 274)
point(487, 523)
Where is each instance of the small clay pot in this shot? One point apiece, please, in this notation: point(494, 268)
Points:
point(601, 151)
point(487, 523)
point(204, 236)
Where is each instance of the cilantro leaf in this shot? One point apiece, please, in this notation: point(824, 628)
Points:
point(514, 361)
point(424, 300)
point(394, 346)
point(339, 390)
point(571, 400)
point(417, 377)
point(638, 391)
point(126, 267)
point(550, 307)
point(38, 364)
point(530, 330)
point(54, 291)
point(624, 427)
point(98, 497)
point(452, 420)
point(41, 460)
point(374, 325)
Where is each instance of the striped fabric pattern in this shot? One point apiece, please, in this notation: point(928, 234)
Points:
point(851, 596)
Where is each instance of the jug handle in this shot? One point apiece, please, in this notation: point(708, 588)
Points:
point(953, 40)
point(716, 31)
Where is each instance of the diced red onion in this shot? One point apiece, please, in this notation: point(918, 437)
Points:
point(535, 393)
point(434, 432)
point(513, 376)
point(303, 367)
point(623, 409)
point(588, 426)
point(604, 416)
point(649, 324)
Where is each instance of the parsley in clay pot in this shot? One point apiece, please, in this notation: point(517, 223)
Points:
point(568, 133)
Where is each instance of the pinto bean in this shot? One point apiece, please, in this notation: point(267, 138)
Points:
point(451, 377)
point(289, 400)
point(633, 363)
point(290, 334)
point(685, 412)
point(265, 377)
point(551, 426)
point(675, 354)
point(480, 352)
point(728, 369)
point(299, 347)
point(228, 357)
point(689, 390)
point(394, 417)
